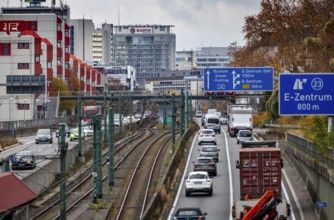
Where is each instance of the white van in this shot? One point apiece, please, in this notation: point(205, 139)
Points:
point(212, 122)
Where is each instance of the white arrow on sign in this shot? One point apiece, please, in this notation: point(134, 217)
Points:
point(208, 79)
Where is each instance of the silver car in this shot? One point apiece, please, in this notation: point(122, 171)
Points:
point(207, 136)
point(210, 151)
point(244, 135)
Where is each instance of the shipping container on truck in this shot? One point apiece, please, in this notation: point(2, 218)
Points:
point(259, 165)
point(239, 117)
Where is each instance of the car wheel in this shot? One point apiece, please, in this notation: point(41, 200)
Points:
point(215, 173)
point(199, 143)
point(36, 142)
point(238, 142)
point(211, 192)
point(215, 143)
point(187, 193)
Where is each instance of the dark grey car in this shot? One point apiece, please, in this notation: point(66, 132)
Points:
point(43, 135)
point(23, 160)
point(206, 164)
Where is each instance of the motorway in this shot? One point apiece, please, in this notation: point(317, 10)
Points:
point(226, 183)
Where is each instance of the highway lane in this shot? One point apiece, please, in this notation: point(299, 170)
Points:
point(226, 184)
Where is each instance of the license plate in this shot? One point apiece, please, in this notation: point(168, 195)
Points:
point(197, 182)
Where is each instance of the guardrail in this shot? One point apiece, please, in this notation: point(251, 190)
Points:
point(282, 126)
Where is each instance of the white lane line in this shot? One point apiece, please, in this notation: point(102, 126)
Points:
point(183, 177)
point(293, 195)
point(229, 173)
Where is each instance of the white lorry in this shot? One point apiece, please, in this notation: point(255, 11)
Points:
point(239, 117)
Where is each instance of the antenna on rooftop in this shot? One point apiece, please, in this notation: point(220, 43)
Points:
point(118, 15)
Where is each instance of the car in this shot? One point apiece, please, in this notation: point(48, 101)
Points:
point(207, 136)
point(223, 120)
point(43, 135)
point(137, 116)
point(198, 181)
point(189, 214)
point(244, 135)
point(206, 164)
point(88, 131)
point(23, 160)
point(67, 130)
point(116, 122)
point(75, 134)
point(198, 114)
point(210, 151)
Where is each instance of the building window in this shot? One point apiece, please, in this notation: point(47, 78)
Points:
point(23, 65)
point(5, 49)
point(23, 46)
point(23, 106)
point(58, 27)
point(37, 59)
point(33, 25)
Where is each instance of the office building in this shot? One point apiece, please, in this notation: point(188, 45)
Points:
point(148, 48)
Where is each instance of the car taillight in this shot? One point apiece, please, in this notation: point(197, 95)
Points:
point(213, 135)
point(201, 135)
point(212, 164)
point(196, 165)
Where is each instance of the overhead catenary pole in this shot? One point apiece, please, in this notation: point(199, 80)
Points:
point(111, 148)
point(173, 123)
point(63, 149)
point(182, 114)
point(98, 157)
point(164, 113)
point(79, 127)
point(105, 116)
point(120, 112)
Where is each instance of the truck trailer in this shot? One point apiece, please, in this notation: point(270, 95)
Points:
point(260, 165)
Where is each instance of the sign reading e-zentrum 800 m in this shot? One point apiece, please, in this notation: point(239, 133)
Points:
point(306, 94)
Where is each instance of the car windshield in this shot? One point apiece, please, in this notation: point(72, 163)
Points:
point(204, 160)
point(245, 134)
point(213, 120)
point(209, 149)
point(44, 131)
point(207, 132)
point(197, 176)
point(188, 213)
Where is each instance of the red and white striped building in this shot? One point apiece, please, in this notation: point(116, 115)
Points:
point(34, 48)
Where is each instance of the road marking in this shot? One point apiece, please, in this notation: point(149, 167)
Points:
point(182, 181)
point(293, 195)
point(229, 173)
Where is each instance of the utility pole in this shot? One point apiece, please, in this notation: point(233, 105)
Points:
point(79, 127)
point(63, 148)
point(182, 114)
point(98, 157)
point(173, 123)
point(191, 108)
point(111, 148)
point(131, 111)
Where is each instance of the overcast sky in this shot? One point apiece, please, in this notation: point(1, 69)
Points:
point(207, 23)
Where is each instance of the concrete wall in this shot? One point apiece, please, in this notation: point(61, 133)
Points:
point(316, 170)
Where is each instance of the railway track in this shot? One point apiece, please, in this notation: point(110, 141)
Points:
point(134, 200)
point(81, 187)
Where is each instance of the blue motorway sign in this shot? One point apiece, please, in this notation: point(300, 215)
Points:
point(306, 94)
point(239, 79)
point(320, 204)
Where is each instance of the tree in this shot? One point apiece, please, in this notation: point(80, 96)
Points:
point(61, 88)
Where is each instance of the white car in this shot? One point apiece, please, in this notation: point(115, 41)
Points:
point(198, 114)
point(244, 135)
point(199, 181)
point(88, 131)
point(207, 136)
point(223, 120)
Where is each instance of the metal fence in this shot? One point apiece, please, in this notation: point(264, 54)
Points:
point(22, 124)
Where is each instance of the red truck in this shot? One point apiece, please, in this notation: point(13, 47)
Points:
point(260, 165)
